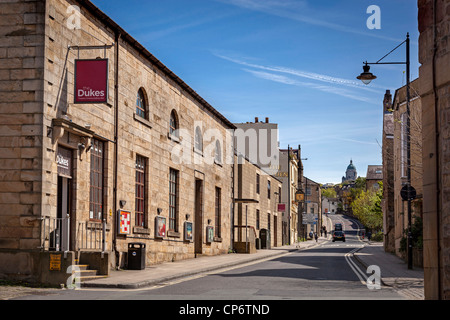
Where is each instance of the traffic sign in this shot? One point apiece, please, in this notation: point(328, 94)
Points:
point(404, 193)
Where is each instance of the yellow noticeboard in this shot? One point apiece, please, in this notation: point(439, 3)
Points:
point(299, 197)
point(55, 262)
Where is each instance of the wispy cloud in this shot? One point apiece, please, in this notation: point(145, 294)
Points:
point(303, 74)
point(175, 25)
point(299, 11)
point(278, 74)
point(324, 88)
point(335, 132)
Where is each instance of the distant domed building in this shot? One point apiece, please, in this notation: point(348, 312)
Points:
point(350, 174)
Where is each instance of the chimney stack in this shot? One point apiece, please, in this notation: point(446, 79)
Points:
point(256, 119)
point(267, 120)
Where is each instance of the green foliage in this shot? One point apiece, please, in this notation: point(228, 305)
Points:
point(417, 235)
point(360, 186)
point(366, 207)
point(329, 193)
point(378, 236)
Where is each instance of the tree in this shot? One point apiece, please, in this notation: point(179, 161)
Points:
point(367, 208)
point(357, 189)
point(329, 193)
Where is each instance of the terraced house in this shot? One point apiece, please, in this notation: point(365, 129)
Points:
point(101, 145)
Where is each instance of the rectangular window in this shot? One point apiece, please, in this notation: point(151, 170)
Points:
point(268, 189)
point(279, 194)
point(140, 195)
point(404, 144)
point(257, 220)
point(257, 183)
point(218, 212)
point(96, 181)
point(173, 200)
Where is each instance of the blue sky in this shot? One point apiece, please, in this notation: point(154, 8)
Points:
point(294, 61)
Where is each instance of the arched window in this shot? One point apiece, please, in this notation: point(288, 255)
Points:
point(198, 143)
point(173, 124)
point(218, 153)
point(141, 105)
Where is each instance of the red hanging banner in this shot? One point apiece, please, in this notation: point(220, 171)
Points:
point(91, 81)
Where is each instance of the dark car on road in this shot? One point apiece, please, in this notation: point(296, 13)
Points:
point(338, 227)
point(338, 236)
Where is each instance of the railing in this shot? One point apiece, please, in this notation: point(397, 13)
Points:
point(55, 234)
point(91, 236)
point(245, 234)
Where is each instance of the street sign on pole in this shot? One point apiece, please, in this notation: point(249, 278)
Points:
point(404, 193)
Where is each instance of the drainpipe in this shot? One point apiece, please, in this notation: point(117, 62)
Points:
point(437, 134)
point(116, 146)
point(289, 192)
point(232, 193)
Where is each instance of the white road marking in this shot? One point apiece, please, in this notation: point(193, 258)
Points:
point(361, 275)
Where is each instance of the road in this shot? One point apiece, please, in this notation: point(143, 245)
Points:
point(325, 271)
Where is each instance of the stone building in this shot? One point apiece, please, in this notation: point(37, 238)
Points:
point(434, 86)
point(350, 174)
point(313, 203)
point(373, 176)
point(400, 158)
point(387, 203)
point(257, 216)
point(330, 205)
point(288, 174)
point(258, 142)
point(88, 171)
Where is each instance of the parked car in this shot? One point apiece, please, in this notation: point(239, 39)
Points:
point(338, 236)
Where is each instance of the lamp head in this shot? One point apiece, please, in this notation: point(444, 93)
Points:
point(366, 77)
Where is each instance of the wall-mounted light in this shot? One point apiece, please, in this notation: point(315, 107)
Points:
point(122, 203)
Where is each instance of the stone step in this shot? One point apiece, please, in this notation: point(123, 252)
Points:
point(88, 278)
point(86, 274)
point(83, 266)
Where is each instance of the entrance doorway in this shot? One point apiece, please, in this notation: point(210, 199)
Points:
point(198, 232)
point(64, 190)
point(275, 231)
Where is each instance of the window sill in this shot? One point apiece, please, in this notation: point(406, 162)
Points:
point(141, 230)
point(173, 138)
point(142, 120)
point(199, 152)
point(173, 234)
point(217, 239)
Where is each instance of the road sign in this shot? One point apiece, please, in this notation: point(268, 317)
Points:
point(404, 193)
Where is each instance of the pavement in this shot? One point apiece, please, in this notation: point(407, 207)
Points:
point(170, 271)
point(394, 271)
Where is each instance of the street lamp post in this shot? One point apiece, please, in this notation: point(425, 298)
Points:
point(366, 77)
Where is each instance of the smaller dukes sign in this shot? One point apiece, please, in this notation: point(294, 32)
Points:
point(91, 81)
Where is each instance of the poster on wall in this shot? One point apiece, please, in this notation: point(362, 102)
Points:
point(91, 81)
point(160, 227)
point(124, 222)
point(188, 231)
point(209, 234)
point(64, 162)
